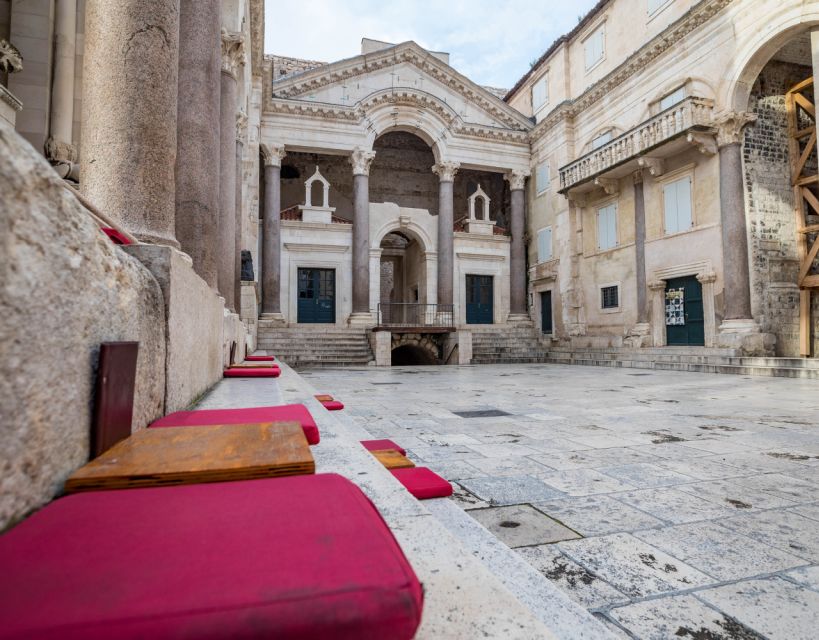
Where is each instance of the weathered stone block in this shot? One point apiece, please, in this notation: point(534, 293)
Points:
point(65, 289)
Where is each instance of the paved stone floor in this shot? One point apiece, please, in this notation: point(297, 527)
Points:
point(670, 504)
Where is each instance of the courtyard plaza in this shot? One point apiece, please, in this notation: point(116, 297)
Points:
point(668, 504)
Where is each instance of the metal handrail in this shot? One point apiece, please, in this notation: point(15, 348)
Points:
point(415, 314)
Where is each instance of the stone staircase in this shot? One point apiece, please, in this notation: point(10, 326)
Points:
point(316, 346)
point(507, 344)
point(699, 359)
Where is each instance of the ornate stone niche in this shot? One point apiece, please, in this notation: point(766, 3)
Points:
point(315, 213)
point(480, 225)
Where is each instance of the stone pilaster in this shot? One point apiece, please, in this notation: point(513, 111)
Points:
point(129, 114)
point(517, 260)
point(197, 192)
point(446, 236)
point(658, 312)
point(271, 234)
point(361, 159)
point(707, 281)
point(232, 53)
point(59, 145)
point(640, 248)
point(241, 132)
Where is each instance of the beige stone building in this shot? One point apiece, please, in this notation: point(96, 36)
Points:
point(662, 209)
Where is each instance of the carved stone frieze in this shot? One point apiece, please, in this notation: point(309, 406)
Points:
point(361, 159)
point(446, 170)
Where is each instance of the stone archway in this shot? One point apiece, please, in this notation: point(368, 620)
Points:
point(416, 348)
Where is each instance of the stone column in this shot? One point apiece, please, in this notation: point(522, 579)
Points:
point(640, 250)
point(658, 312)
point(59, 146)
point(446, 234)
point(226, 228)
point(241, 130)
point(517, 259)
point(737, 276)
point(129, 114)
point(361, 159)
point(197, 190)
point(271, 234)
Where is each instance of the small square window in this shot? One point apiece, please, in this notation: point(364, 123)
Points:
point(542, 177)
point(610, 297)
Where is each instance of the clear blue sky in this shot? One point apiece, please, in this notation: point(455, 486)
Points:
point(491, 42)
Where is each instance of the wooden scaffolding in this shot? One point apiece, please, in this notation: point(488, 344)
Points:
point(801, 112)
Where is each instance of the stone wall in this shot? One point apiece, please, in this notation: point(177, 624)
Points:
point(65, 289)
point(770, 209)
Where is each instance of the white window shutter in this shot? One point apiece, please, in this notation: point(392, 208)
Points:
point(544, 244)
point(684, 204)
point(670, 207)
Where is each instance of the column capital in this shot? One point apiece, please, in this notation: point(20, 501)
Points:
point(657, 285)
point(446, 170)
point(361, 159)
point(241, 126)
point(517, 178)
point(730, 126)
point(273, 154)
point(11, 61)
point(707, 277)
point(233, 52)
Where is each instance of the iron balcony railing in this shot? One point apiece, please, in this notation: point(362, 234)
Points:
point(415, 314)
point(690, 114)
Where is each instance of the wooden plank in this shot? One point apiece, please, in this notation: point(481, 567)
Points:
point(198, 454)
point(807, 82)
point(807, 194)
point(801, 133)
point(324, 397)
point(114, 398)
point(807, 263)
point(811, 228)
point(252, 365)
point(801, 182)
point(800, 164)
point(810, 282)
point(392, 459)
point(806, 104)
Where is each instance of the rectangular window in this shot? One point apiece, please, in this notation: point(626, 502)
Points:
point(672, 98)
point(609, 297)
point(607, 227)
point(599, 141)
point(540, 93)
point(595, 47)
point(677, 205)
point(544, 244)
point(542, 178)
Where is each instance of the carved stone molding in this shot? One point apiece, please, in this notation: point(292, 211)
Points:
point(57, 151)
point(730, 126)
point(610, 185)
point(706, 278)
point(273, 154)
point(233, 52)
point(10, 59)
point(654, 166)
point(577, 199)
point(361, 159)
point(241, 126)
point(517, 178)
point(696, 17)
point(657, 285)
point(705, 143)
point(446, 170)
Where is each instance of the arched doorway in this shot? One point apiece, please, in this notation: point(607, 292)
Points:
point(411, 355)
point(402, 279)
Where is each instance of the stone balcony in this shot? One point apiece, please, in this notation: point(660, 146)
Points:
point(663, 134)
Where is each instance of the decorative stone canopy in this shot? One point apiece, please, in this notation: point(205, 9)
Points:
point(479, 193)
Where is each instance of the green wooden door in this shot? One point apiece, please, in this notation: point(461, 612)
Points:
point(479, 300)
point(317, 296)
point(684, 324)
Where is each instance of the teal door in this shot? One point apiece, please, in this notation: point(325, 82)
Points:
point(684, 323)
point(479, 297)
point(317, 296)
point(546, 312)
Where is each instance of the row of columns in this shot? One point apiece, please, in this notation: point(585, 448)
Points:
point(361, 161)
point(160, 105)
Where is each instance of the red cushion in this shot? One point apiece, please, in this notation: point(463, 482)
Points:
point(380, 445)
point(423, 483)
point(333, 405)
point(298, 557)
point(259, 358)
point(284, 413)
point(117, 237)
point(248, 372)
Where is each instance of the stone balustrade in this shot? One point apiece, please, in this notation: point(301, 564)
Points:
point(690, 114)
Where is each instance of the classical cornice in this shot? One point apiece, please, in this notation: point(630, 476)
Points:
point(407, 52)
point(636, 63)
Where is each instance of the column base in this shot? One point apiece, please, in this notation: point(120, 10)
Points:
point(361, 319)
point(745, 335)
point(639, 336)
point(276, 319)
point(519, 319)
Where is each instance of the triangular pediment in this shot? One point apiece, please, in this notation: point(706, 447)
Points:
point(402, 69)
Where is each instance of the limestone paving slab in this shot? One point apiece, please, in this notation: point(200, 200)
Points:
point(720, 553)
point(584, 482)
point(807, 576)
point(502, 450)
point(632, 566)
point(736, 493)
point(511, 489)
point(674, 505)
point(808, 510)
point(583, 586)
point(773, 607)
point(781, 529)
point(466, 499)
point(706, 468)
point(522, 525)
point(597, 515)
point(680, 617)
point(644, 475)
point(506, 466)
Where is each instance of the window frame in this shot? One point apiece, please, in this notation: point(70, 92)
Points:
point(607, 132)
point(601, 29)
point(661, 108)
point(672, 177)
point(544, 81)
point(598, 209)
point(609, 285)
point(548, 186)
